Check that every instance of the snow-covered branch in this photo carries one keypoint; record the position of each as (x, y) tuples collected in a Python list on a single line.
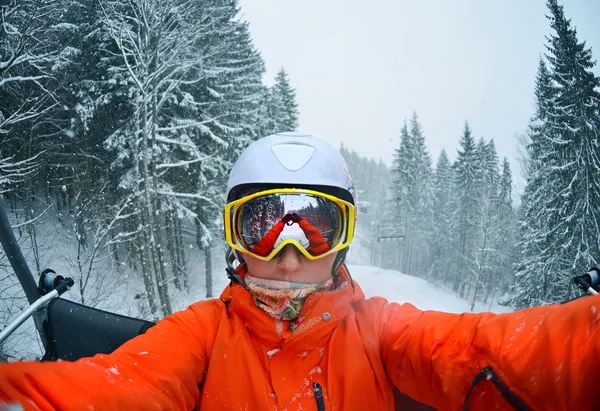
[(181, 163), (12, 172)]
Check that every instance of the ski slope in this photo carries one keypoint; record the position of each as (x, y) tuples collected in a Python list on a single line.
[(401, 288)]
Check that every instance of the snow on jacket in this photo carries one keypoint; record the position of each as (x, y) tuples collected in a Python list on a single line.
[(228, 354)]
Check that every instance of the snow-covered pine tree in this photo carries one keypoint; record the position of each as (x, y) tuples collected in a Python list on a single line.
[(283, 101), (93, 103), (441, 250), (421, 201), (30, 56), (372, 182), (535, 269), (399, 190), (484, 259), (412, 188), (574, 209), (465, 218), (29, 52), (506, 235), (567, 179)]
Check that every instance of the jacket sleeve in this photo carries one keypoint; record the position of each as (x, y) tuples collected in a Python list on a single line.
[(158, 370), (548, 357)]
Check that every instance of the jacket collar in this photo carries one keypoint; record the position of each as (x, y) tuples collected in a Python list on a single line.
[(321, 313)]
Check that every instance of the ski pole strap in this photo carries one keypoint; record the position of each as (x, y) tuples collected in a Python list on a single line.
[(489, 374)]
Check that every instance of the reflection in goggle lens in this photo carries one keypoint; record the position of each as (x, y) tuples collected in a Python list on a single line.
[(264, 222)]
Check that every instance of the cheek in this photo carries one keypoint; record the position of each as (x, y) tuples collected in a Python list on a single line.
[(259, 268), (321, 269), (327, 262)]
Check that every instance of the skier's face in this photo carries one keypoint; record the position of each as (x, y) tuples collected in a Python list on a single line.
[(291, 266)]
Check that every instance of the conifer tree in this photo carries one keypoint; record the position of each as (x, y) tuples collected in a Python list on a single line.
[(284, 99), (506, 232), (465, 217), (412, 188), (533, 273), (560, 225), (574, 137), (401, 178), (443, 184), (483, 262)]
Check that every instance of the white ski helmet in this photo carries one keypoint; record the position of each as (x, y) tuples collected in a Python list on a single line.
[(292, 160)]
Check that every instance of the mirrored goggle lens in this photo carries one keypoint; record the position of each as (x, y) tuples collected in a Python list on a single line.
[(262, 223)]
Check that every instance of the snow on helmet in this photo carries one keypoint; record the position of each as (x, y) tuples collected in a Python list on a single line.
[(292, 160)]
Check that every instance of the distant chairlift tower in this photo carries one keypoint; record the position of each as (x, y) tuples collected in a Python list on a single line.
[(389, 237)]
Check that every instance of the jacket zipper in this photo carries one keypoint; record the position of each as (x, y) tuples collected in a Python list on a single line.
[(489, 374), (319, 396)]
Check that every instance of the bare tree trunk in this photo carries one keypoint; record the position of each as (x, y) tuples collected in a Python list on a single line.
[(130, 245), (153, 238), (115, 249), (28, 205), (208, 271), (180, 250), (141, 204), (30, 228), (80, 269), (475, 293), (481, 266), (170, 234), (158, 243), (145, 263), (162, 271), (205, 246), (493, 293)]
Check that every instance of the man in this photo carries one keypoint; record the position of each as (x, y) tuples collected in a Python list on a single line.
[(294, 331)]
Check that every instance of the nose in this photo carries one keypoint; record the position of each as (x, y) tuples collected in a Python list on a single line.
[(290, 259)]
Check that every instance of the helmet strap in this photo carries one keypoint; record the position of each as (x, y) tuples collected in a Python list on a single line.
[(230, 257), (340, 258)]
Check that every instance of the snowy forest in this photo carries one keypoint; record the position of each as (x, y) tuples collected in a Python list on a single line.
[(456, 222), (120, 121)]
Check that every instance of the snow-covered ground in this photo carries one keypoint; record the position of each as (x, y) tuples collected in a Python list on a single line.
[(401, 288)]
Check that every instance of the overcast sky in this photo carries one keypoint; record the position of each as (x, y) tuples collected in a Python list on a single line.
[(361, 67)]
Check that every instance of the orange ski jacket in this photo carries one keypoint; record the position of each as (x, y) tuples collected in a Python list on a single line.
[(343, 353)]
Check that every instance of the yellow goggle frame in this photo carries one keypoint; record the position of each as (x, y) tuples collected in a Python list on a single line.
[(348, 218)]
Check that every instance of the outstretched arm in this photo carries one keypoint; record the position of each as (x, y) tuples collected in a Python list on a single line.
[(548, 357), (158, 370)]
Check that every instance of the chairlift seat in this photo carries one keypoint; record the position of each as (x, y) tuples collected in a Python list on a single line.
[(75, 331)]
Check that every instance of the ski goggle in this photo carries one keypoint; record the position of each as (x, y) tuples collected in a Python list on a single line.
[(261, 224)]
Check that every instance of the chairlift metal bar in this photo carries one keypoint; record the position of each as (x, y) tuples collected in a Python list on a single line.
[(42, 302), (17, 261)]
